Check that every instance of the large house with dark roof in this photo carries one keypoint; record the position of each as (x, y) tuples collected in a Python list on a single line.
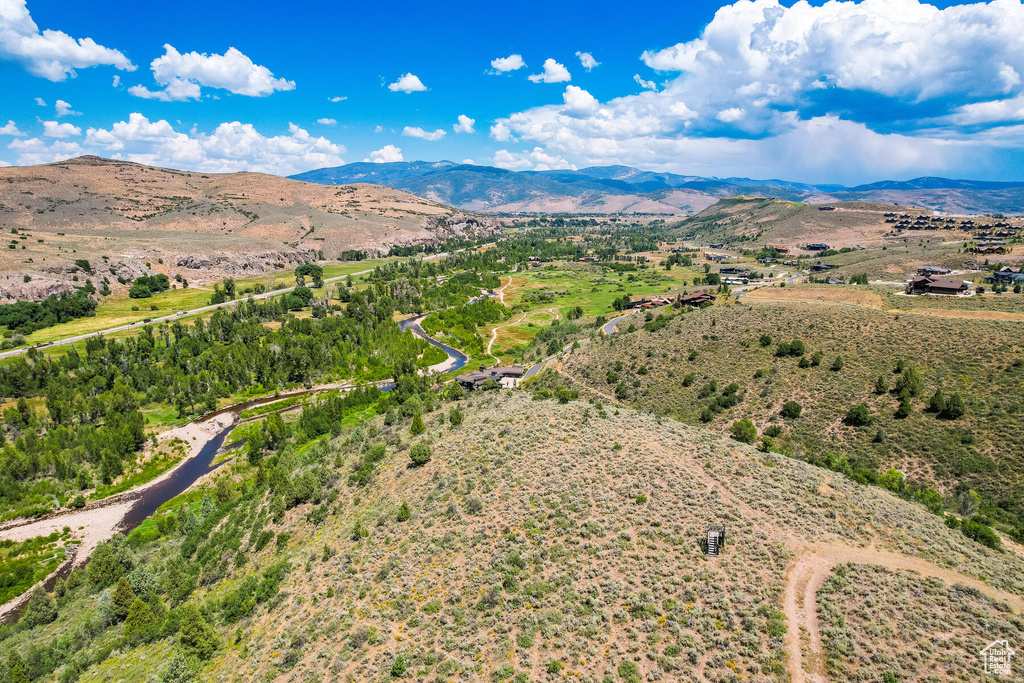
[(501, 375), (937, 285)]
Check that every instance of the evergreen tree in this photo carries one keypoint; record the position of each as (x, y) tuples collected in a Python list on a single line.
[(139, 625), (121, 601), (40, 609), (417, 427)]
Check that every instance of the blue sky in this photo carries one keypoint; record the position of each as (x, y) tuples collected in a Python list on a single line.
[(847, 92)]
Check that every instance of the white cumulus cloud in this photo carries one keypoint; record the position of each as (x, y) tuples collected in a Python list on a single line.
[(646, 85), (407, 83), (465, 124), (836, 92), (183, 76), (338, 98), (386, 154), (327, 122), (501, 132), (11, 129), (232, 146), (53, 129), (578, 101), (505, 64), (417, 132), (38, 151), (53, 55), (553, 73), (40, 101), (587, 60), (537, 159), (63, 108)]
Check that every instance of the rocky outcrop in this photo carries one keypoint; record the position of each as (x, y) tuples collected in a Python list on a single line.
[(237, 263), (14, 288)]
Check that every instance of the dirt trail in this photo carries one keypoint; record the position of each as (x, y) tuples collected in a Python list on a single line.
[(494, 335), (809, 571)]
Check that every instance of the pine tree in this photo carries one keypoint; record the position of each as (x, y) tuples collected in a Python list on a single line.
[(40, 609), (417, 427), (140, 621), (121, 601)]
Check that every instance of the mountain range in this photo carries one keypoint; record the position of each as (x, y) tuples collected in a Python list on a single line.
[(623, 189)]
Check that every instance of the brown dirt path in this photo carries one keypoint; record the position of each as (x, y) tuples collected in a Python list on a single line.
[(811, 568)]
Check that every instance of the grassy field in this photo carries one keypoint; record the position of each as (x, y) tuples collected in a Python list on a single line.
[(670, 372)]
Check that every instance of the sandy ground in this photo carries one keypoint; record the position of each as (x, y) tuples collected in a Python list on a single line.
[(101, 519)]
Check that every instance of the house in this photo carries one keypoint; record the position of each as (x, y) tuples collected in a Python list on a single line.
[(826, 208), (717, 245), (937, 285), (505, 376), (734, 270), (781, 250), (989, 249), (735, 281), (817, 246), (819, 267), (931, 270), (694, 300), (715, 257), (1006, 276)]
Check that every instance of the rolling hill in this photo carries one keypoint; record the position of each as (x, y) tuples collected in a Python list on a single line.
[(125, 215), (612, 189), (541, 542)]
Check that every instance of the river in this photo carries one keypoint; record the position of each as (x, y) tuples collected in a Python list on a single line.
[(143, 503)]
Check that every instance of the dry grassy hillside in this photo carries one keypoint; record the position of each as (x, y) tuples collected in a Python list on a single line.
[(753, 222), (225, 223), (552, 542), (669, 372)]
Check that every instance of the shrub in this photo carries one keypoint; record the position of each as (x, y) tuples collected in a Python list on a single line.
[(817, 358), (399, 666), (910, 383), (641, 499), (791, 410), (455, 416), (893, 480), (419, 453), (417, 427), (980, 533), (904, 410), (837, 364), (937, 404), (554, 666), (954, 408), (404, 513), (766, 340), (859, 415), (744, 431), (881, 385), (775, 431), (629, 672)]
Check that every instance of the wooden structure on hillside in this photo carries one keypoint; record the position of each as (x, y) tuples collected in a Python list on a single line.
[(715, 540)]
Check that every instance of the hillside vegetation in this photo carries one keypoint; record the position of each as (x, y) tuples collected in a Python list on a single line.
[(122, 219), (737, 361), (539, 541)]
